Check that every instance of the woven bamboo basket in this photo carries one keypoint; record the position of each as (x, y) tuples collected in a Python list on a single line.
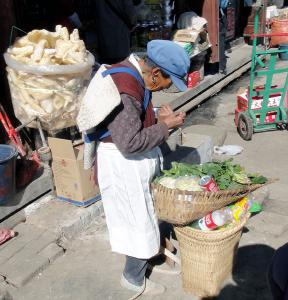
[(182, 207), (207, 258)]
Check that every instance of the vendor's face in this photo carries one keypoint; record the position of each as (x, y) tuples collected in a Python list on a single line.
[(154, 80)]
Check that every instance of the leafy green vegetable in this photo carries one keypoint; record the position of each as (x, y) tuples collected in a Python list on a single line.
[(257, 179), (241, 177), (226, 174)]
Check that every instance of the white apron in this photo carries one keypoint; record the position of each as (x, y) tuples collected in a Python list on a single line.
[(125, 189)]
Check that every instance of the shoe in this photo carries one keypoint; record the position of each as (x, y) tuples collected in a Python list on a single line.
[(223, 71), (164, 269), (153, 288), (147, 288), (130, 286)]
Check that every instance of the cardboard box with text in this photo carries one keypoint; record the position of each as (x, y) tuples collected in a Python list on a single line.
[(73, 183)]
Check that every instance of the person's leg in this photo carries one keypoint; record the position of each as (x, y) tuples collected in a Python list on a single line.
[(276, 292), (222, 38), (278, 273), (135, 269), (133, 277)]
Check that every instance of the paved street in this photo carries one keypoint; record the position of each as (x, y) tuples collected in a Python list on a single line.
[(88, 269)]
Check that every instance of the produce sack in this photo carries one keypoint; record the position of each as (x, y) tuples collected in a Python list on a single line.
[(48, 73), (279, 25)]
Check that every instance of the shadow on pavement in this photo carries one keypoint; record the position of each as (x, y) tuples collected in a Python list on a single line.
[(249, 274)]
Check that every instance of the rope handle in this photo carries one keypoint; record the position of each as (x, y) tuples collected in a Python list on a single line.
[(13, 29)]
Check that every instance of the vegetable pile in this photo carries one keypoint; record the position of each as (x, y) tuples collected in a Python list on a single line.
[(226, 174), (184, 183)]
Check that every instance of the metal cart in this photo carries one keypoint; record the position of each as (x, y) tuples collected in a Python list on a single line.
[(264, 107)]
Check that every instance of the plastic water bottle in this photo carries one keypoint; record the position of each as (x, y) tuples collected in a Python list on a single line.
[(214, 220), (226, 215), (240, 208)]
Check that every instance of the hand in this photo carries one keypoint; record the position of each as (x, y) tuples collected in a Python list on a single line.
[(134, 28), (174, 120), (163, 112)]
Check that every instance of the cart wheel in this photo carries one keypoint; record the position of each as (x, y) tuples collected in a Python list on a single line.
[(245, 126), (281, 126)]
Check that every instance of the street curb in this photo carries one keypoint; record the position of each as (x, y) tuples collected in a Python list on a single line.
[(62, 218), (73, 229), (49, 223)]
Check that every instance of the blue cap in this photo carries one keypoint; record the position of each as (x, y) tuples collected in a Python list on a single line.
[(172, 59)]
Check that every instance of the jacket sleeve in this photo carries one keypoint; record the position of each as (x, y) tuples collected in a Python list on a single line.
[(127, 131), (126, 10), (130, 12)]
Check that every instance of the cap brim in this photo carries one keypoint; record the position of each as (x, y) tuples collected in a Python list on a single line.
[(179, 83)]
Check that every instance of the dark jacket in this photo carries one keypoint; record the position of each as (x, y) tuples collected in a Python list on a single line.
[(114, 21)]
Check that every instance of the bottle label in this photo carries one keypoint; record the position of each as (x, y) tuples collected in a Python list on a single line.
[(207, 223), (240, 208), (209, 183)]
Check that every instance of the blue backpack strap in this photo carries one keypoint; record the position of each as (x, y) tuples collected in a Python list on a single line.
[(147, 98), (100, 134), (127, 70), (97, 135), (135, 74)]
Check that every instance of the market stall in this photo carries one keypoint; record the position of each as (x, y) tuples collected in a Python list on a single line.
[(176, 20), (159, 19)]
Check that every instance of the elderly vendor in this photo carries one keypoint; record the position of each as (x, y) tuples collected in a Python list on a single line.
[(128, 155)]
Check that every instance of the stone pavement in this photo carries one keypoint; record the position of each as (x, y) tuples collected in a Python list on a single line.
[(87, 269), (37, 244), (28, 254)]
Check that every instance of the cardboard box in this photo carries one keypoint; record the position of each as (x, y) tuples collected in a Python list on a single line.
[(73, 183), (242, 101), (186, 35)]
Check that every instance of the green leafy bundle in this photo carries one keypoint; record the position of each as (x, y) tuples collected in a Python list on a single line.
[(226, 174)]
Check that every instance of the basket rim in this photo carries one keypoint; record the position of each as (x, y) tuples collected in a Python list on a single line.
[(213, 234), (220, 192)]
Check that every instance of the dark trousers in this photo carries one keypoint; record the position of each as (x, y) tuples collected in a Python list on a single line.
[(135, 269), (222, 38), (278, 274)]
